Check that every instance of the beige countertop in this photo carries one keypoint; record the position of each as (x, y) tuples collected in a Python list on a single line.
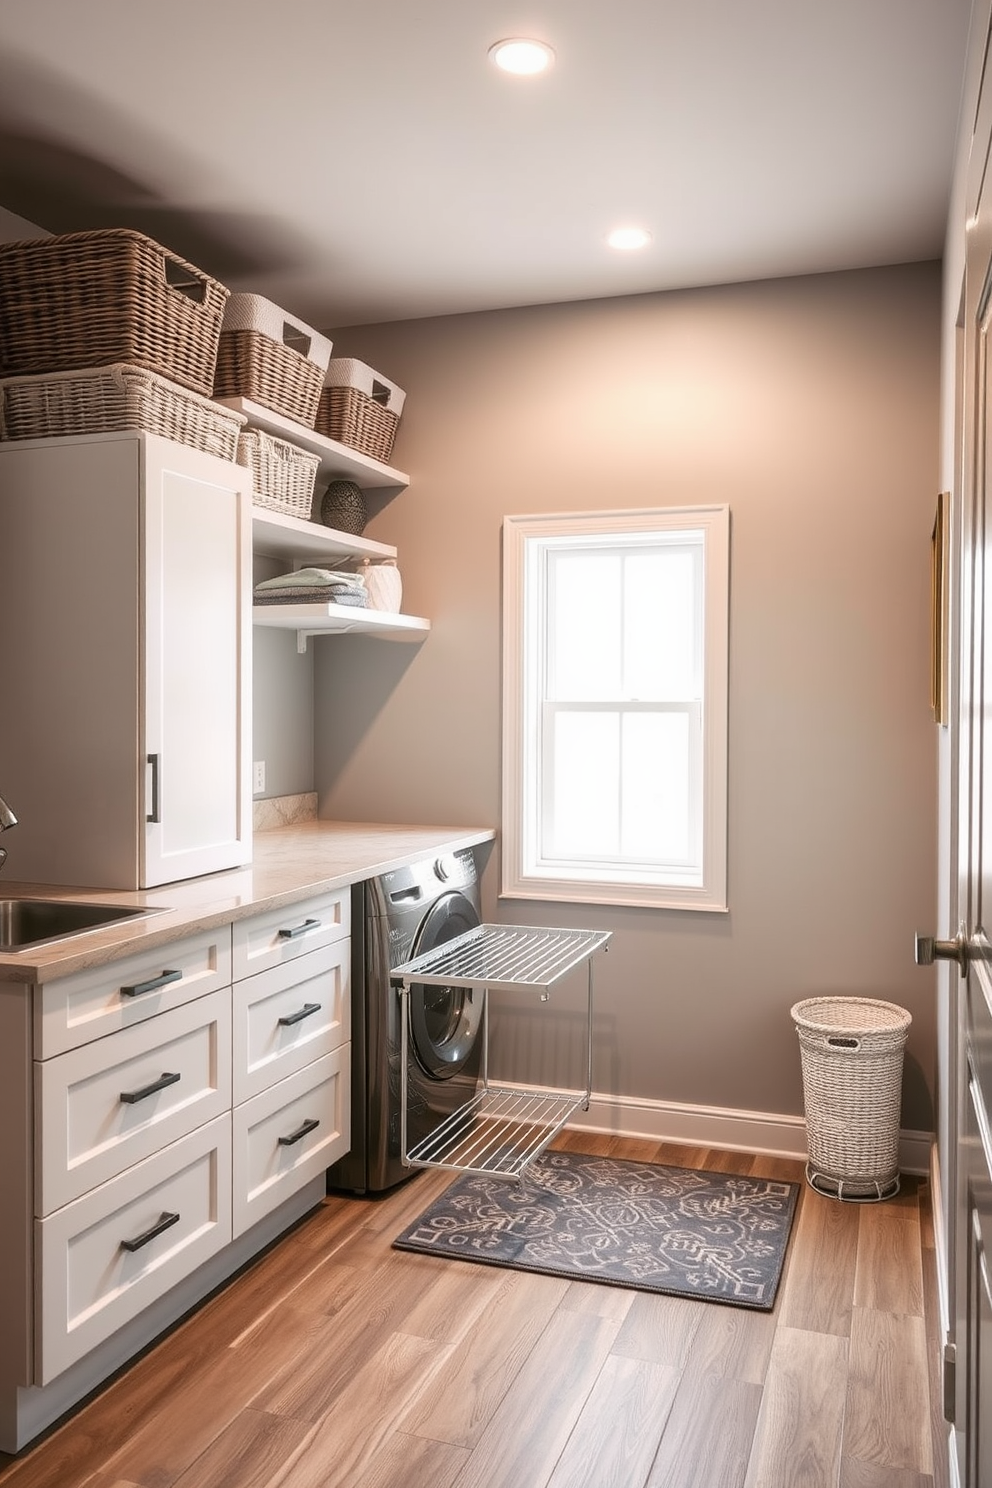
[(289, 863)]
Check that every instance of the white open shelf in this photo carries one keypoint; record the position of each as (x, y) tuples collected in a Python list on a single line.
[(332, 619), (337, 461), (279, 535)]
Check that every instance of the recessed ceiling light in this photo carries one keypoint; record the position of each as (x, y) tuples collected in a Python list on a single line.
[(516, 54), (627, 238)]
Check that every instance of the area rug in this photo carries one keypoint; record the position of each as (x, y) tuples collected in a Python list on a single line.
[(720, 1237)]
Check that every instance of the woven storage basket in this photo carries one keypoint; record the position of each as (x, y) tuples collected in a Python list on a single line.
[(93, 299), (359, 408), (283, 476), (852, 1055), (102, 400), (269, 357)]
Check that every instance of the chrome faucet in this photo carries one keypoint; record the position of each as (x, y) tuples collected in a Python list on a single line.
[(7, 819)]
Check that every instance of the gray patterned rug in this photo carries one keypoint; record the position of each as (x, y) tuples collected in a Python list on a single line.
[(690, 1233)]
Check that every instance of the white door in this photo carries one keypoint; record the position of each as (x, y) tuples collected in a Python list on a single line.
[(966, 1060), (196, 650)]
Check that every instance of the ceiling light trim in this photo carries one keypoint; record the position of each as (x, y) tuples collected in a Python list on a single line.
[(522, 56)]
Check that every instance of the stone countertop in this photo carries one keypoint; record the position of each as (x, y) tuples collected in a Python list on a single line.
[(289, 863)]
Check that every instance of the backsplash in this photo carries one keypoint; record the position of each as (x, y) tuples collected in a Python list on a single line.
[(283, 811)]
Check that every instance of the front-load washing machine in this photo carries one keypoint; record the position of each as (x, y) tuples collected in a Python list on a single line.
[(394, 918)]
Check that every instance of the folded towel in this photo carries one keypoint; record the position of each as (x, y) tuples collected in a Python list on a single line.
[(308, 578), (319, 594)]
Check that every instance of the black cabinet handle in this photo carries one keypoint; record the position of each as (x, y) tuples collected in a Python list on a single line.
[(165, 1223), (162, 980), (306, 1011), (293, 931), (299, 1134), (153, 815), (132, 1097)]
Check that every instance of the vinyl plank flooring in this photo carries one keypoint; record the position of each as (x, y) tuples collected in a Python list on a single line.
[(888, 1409), (247, 1453), (527, 1433), (797, 1440), (660, 1329), (866, 1475), (889, 1271), (732, 1342), (616, 1436), (818, 1285), (459, 1403), (414, 1462), (708, 1434)]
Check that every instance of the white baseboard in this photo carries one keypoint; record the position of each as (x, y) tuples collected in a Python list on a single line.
[(716, 1126)]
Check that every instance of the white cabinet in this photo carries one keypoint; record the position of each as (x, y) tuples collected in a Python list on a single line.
[(127, 587)]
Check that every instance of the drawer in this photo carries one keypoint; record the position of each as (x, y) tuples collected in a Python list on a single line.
[(109, 1255), (108, 1104), (290, 1134), (281, 935), (289, 1016), (88, 1004)]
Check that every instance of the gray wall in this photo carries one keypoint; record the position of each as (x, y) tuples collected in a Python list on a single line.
[(811, 406)]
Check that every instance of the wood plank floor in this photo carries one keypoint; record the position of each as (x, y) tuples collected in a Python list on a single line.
[(337, 1362)]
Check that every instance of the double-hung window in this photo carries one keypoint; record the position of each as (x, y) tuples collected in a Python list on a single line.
[(615, 658)]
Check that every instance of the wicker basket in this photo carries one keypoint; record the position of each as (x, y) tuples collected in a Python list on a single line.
[(359, 408), (266, 356), (93, 299), (852, 1054), (102, 400), (283, 476)]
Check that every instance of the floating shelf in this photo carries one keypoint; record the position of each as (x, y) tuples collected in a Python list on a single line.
[(279, 535), (332, 619), (337, 461)]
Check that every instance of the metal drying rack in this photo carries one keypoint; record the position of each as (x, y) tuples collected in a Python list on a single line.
[(499, 1131)]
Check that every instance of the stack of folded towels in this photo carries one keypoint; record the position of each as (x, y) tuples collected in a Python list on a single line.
[(313, 586)]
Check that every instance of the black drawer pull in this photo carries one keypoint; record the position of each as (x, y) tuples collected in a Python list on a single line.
[(295, 930), (300, 1133), (165, 1223), (132, 1097), (306, 1011), (162, 980)]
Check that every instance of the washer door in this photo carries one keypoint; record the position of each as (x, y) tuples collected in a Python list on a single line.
[(444, 1021)]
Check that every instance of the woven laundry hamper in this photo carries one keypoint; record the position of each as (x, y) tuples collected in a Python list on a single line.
[(852, 1055)]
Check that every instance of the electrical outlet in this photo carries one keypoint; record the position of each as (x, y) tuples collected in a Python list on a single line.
[(258, 777)]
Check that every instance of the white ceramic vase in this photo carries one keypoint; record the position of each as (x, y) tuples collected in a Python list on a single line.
[(383, 585)]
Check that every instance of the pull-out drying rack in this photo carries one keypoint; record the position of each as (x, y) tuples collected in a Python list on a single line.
[(499, 1130)]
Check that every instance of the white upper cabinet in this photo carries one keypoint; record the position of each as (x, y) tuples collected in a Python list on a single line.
[(126, 664)]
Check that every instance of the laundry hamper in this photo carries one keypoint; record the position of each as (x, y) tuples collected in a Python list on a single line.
[(852, 1054)]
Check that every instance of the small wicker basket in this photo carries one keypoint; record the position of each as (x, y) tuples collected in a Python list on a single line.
[(272, 359), (359, 408), (852, 1054), (101, 400), (94, 299), (283, 475)]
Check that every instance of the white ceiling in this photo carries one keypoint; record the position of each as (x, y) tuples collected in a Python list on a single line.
[(363, 161)]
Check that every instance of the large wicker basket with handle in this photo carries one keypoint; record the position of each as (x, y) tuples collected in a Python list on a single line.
[(93, 299), (852, 1054), (271, 358)]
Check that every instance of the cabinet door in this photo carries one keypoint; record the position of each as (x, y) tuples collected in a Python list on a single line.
[(196, 656)]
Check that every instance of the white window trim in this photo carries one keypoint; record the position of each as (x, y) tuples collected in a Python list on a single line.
[(519, 536)]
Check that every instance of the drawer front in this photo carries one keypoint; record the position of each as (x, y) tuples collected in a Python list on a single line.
[(104, 1258), (76, 1009), (281, 935), (289, 1016), (290, 1134), (108, 1104)]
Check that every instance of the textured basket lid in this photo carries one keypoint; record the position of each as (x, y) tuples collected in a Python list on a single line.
[(850, 1015), (252, 312), (347, 372)]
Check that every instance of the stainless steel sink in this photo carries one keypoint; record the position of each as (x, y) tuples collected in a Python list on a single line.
[(29, 922)]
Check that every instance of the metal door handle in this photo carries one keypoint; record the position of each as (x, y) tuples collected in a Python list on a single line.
[(929, 950)]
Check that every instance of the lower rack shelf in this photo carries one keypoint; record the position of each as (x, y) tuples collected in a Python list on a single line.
[(500, 1132)]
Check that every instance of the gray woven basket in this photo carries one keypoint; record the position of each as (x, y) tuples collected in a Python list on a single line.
[(852, 1055)]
